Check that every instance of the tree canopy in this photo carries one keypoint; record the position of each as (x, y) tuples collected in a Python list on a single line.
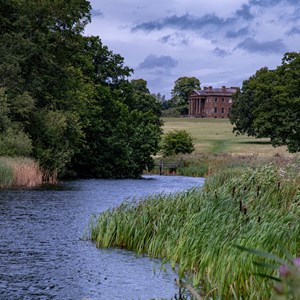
[(268, 104), (181, 91), (176, 142), (67, 98)]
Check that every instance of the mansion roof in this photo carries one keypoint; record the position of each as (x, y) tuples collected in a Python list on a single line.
[(210, 91)]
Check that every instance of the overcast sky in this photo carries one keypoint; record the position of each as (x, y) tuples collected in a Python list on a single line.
[(221, 42)]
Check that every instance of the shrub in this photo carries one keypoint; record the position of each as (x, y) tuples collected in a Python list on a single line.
[(177, 141), (15, 142)]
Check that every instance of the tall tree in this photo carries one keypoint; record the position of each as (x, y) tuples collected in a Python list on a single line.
[(69, 95), (181, 91), (268, 104)]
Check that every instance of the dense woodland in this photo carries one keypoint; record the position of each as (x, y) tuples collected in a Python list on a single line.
[(66, 99)]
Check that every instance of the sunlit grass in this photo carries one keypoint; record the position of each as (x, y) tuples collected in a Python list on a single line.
[(215, 136), (256, 206)]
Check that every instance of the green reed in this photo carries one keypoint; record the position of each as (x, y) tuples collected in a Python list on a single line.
[(6, 173), (197, 231)]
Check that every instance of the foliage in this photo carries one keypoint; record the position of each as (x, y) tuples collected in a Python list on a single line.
[(286, 285), (14, 142), (65, 98), (177, 141), (181, 91), (197, 231), (268, 104)]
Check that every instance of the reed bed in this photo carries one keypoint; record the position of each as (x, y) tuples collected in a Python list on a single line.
[(198, 231), (19, 172)]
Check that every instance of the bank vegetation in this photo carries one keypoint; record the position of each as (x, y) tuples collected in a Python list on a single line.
[(243, 203), (20, 172)]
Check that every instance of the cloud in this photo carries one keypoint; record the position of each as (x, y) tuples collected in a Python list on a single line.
[(185, 22), (266, 3), (96, 13), (251, 45), (235, 34), (245, 13), (220, 52), (294, 31), (174, 39), (158, 62)]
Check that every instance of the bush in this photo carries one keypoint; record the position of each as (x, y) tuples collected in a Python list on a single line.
[(15, 142), (177, 141)]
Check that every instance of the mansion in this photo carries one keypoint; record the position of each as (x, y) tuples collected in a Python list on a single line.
[(211, 102)]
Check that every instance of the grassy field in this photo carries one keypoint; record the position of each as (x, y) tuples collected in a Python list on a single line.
[(215, 136)]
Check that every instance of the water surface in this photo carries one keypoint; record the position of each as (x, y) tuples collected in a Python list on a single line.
[(43, 256)]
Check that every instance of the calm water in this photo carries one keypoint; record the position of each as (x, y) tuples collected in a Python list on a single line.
[(42, 255)]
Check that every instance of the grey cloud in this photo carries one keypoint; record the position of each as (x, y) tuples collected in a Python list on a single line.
[(165, 39), (185, 22), (153, 61), (251, 45), (264, 2), (174, 39), (267, 3), (245, 13), (220, 52), (235, 34), (96, 13), (294, 31)]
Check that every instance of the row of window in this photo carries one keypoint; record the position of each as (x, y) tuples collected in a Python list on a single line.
[(216, 100), (222, 111)]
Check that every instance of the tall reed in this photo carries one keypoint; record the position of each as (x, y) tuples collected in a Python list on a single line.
[(198, 230), (19, 172), (6, 173)]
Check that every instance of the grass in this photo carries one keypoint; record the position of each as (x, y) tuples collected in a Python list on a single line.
[(215, 136), (255, 206), (19, 172)]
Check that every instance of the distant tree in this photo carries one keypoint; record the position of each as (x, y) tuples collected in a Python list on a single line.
[(181, 91), (177, 141), (268, 105)]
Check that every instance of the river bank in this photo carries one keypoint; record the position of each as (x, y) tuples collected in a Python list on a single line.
[(250, 205)]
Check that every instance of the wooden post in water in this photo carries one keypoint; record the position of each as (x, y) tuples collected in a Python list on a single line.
[(161, 167)]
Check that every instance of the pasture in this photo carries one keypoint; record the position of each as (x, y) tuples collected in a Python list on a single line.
[(216, 136)]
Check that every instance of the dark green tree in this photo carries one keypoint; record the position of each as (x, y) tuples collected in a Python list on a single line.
[(68, 96), (181, 91), (268, 105)]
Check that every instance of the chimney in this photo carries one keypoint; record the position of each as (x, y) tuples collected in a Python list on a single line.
[(210, 88), (223, 87)]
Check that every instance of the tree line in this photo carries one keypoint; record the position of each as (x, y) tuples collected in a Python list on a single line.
[(66, 99)]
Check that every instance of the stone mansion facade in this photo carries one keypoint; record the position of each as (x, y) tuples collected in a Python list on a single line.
[(211, 102)]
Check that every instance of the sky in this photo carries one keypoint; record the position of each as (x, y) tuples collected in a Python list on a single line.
[(220, 42)]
